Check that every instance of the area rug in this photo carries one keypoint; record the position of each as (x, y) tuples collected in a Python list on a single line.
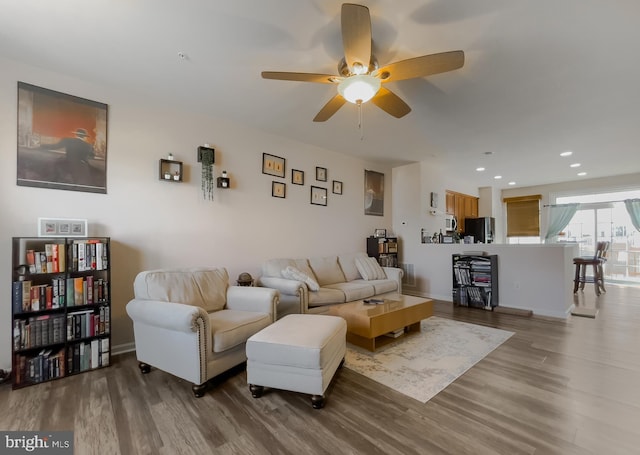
[(422, 364)]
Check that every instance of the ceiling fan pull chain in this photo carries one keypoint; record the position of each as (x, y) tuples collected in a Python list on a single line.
[(360, 123)]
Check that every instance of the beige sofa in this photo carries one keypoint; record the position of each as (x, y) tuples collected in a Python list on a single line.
[(327, 280)]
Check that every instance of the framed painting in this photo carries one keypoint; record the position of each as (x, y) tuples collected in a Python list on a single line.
[(278, 189), (62, 141), (297, 177), (273, 165), (318, 195), (380, 233), (337, 187), (321, 174), (62, 227), (373, 193)]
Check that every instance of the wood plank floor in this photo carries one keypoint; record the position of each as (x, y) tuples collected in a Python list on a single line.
[(553, 388)]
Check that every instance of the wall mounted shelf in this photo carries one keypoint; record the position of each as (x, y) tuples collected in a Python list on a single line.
[(170, 170)]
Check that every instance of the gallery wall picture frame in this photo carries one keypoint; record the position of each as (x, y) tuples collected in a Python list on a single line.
[(337, 187), (62, 227), (297, 177), (62, 141), (278, 189), (318, 195), (373, 193), (321, 174), (273, 165)]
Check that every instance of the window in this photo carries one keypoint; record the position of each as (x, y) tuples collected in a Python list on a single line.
[(523, 216), (603, 216)]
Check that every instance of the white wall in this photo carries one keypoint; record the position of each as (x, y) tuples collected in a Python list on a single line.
[(412, 188), (156, 224)]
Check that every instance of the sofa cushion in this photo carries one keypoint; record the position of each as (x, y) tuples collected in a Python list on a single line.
[(202, 287), (274, 267), (327, 270), (383, 286), (370, 269), (326, 296), (348, 264), (230, 328), (355, 290), (291, 273)]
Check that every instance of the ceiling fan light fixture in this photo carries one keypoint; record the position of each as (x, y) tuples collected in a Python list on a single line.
[(359, 88)]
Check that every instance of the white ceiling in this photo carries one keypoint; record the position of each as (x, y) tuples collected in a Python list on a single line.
[(540, 76)]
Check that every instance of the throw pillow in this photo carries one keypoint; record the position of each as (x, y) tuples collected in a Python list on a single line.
[(291, 273), (370, 269)]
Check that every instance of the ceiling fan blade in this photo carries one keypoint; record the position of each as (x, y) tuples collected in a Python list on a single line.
[(421, 66), (301, 77), (356, 35), (330, 108), (391, 103)]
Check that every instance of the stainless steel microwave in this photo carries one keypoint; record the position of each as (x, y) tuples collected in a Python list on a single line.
[(450, 223)]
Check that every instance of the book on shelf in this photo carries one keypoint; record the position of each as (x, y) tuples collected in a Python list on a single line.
[(31, 260), (78, 291), (26, 296), (81, 256), (16, 297), (394, 333)]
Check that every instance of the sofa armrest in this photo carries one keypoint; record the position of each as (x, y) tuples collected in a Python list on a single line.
[(246, 298), (284, 285), (395, 274), (167, 315)]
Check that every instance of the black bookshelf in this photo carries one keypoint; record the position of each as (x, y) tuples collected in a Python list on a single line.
[(475, 281), (60, 307), (384, 249)]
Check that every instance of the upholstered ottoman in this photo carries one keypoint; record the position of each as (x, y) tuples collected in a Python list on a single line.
[(300, 353)]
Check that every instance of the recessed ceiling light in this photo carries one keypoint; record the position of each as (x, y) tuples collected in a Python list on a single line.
[(479, 169), (567, 153), (512, 183), (497, 177), (575, 165), (581, 174)]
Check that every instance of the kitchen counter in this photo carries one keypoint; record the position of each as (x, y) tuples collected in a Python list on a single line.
[(538, 278)]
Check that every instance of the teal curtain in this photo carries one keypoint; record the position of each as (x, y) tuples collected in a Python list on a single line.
[(559, 216), (633, 207)]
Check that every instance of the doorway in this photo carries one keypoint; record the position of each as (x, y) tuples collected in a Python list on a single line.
[(603, 217)]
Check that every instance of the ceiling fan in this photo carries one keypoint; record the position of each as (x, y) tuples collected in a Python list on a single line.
[(360, 78)]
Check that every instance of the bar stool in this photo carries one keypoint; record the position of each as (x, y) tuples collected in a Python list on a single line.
[(597, 261)]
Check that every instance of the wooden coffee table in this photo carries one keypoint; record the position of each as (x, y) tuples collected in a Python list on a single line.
[(368, 324)]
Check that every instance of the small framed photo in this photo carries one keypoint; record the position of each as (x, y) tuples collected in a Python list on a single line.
[(380, 233), (278, 189), (337, 187), (62, 227), (297, 177), (318, 195), (273, 165), (321, 174)]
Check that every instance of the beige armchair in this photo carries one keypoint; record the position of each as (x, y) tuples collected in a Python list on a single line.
[(189, 322)]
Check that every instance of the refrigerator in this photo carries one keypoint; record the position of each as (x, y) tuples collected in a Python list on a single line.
[(482, 229)]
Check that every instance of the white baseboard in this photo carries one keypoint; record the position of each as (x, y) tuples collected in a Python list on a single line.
[(123, 348)]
